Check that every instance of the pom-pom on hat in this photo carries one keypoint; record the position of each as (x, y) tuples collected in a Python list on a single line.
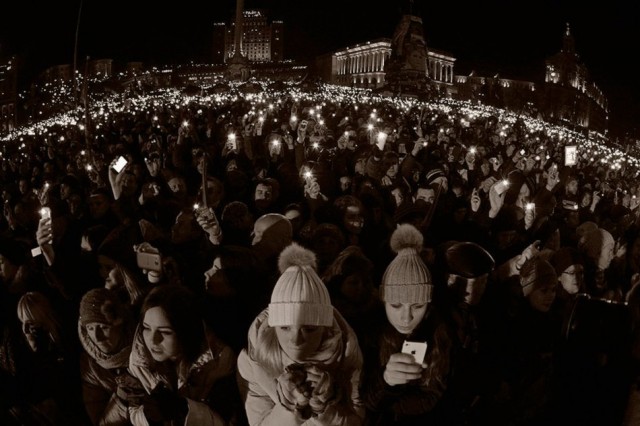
[(299, 296), (406, 279)]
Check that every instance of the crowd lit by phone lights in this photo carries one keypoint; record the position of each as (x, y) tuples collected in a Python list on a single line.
[(265, 103)]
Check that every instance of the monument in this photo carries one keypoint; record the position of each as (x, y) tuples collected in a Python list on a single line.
[(406, 68), (238, 67)]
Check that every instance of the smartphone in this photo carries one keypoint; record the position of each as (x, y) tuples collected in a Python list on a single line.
[(502, 186), (417, 349), (402, 148), (231, 140), (120, 163), (149, 261), (208, 213), (45, 213), (530, 206)]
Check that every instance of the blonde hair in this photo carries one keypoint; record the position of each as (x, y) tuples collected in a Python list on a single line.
[(34, 306)]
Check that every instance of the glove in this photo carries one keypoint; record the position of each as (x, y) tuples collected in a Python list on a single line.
[(322, 387), (164, 405), (129, 390), (294, 392)]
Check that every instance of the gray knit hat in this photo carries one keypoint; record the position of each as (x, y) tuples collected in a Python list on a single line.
[(406, 279), (537, 273), (299, 297)]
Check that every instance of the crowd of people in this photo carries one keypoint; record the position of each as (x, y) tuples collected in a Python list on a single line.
[(325, 258)]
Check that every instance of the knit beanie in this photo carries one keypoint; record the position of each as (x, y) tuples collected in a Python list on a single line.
[(103, 306), (406, 279), (434, 174), (536, 273), (299, 296)]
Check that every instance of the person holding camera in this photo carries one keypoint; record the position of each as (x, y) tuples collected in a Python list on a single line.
[(302, 364)]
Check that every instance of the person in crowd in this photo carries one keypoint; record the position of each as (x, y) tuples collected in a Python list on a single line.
[(236, 291), (597, 246), (272, 232), (44, 385), (105, 327), (467, 270), (353, 293), (531, 339), (187, 374), (303, 363), (399, 389)]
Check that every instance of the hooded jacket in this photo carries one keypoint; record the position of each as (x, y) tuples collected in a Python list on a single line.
[(98, 372), (339, 353), (195, 380)]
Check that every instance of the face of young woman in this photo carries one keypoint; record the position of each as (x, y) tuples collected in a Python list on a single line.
[(113, 279), (160, 336), (542, 298), (300, 342), (405, 317), (35, 334), (106, 337)]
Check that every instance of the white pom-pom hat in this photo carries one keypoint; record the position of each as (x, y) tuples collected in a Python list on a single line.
[(299, 297), (407, 279)]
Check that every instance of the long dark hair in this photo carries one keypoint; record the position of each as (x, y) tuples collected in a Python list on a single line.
[(182, 311)]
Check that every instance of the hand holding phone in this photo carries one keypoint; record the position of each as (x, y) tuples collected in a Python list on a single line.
[(119, 164), (149, 261), (501, 186)]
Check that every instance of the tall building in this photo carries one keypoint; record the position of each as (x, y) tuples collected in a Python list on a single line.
[(571, 94), (262, 40), (8, 93)]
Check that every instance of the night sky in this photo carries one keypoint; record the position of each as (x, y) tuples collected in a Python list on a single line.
[(490, 36)]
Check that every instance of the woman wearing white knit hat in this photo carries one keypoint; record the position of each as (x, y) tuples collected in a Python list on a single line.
[(404, 374), (303, 362)]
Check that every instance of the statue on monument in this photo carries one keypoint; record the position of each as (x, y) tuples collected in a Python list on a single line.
[(406, 69)]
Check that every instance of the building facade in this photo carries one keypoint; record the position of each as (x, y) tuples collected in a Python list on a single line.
[(262, 40), (8, 93), (566, 95), (570, 94), (363, 65)]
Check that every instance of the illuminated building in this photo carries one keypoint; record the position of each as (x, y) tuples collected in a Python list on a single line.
[(262, 41), (570, 93), (8, 93), (566, 96), (363, 65)]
